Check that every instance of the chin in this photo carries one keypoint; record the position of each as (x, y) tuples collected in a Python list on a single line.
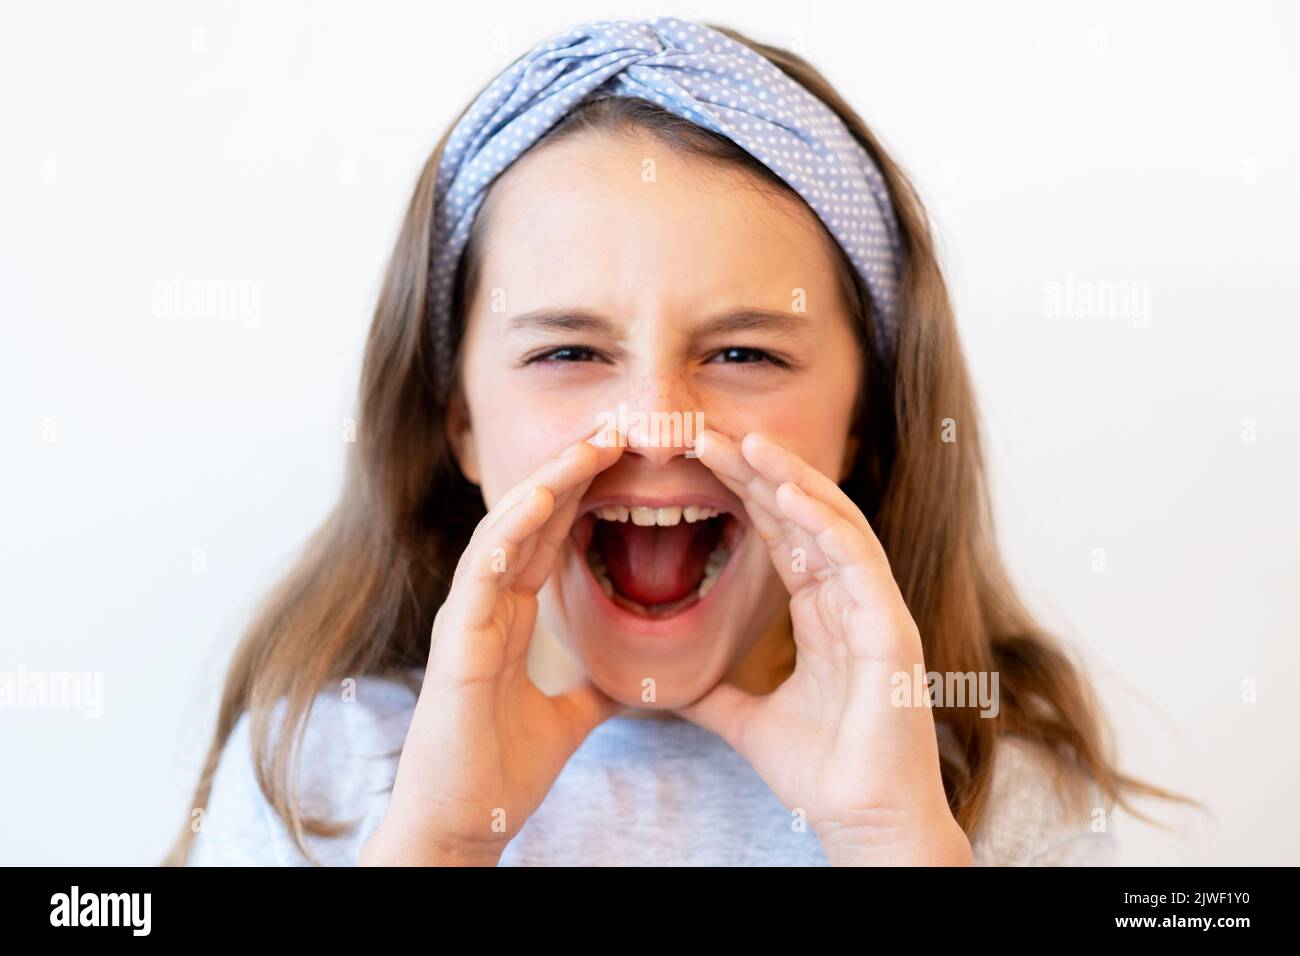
[(672, 591)]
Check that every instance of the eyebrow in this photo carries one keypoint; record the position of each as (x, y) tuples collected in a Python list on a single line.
[(743, 319)]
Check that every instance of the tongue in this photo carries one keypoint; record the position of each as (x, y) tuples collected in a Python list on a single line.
[(655, 565)]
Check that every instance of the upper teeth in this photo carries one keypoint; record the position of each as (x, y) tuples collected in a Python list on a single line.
[(646, 517)]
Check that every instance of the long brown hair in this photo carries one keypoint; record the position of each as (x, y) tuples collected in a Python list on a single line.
[(362, 597)]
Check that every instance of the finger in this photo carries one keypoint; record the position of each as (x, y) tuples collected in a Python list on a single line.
[(725, 711), (543, 549), (722, 456), (556, 527), (841, 542), (476, 588), (779, 465), (536, 566), (585, 707), (575, 464), (794, 554), (867, 581), (558, 475), (504, 545)]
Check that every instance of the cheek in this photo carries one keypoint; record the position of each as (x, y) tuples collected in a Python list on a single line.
[(516, 432), (811, 419)]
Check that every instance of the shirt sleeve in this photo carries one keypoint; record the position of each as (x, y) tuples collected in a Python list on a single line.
[(238, 827), (350, 750), (1027, 824)]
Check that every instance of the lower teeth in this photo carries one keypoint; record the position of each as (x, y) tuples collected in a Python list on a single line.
[(712, 571), (602, 575)]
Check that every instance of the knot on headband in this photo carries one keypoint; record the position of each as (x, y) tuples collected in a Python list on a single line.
[(696, 73)]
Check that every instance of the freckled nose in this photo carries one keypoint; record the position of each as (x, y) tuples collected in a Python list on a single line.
[(662, 412)]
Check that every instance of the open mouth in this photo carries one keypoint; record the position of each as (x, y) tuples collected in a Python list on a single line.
[(656, 561)]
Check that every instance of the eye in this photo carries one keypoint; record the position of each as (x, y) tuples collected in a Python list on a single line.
[(564, 354), (739, 355)]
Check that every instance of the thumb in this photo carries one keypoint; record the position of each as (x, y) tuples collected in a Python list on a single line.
[(584, 706), (725, 711)]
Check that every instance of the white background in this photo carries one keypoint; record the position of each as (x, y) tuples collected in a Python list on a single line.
[(161, 469)]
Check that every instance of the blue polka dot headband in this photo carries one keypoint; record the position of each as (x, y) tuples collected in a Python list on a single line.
[(696, 73)]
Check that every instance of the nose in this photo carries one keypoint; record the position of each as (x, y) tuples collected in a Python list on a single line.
[(663, 417)]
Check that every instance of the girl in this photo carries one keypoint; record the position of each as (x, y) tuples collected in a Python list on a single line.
[(522, 638)]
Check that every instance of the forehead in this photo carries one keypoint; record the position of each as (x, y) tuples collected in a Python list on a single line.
[(619, 221)]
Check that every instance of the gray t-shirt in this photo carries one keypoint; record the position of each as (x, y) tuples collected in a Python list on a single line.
[(638, 792)]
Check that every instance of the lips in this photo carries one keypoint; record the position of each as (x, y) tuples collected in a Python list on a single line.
[(656, 559)]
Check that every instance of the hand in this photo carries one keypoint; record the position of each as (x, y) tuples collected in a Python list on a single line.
[(829, 740), (485, 744)]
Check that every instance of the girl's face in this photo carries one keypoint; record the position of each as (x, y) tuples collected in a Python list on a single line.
[(618, 280)]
